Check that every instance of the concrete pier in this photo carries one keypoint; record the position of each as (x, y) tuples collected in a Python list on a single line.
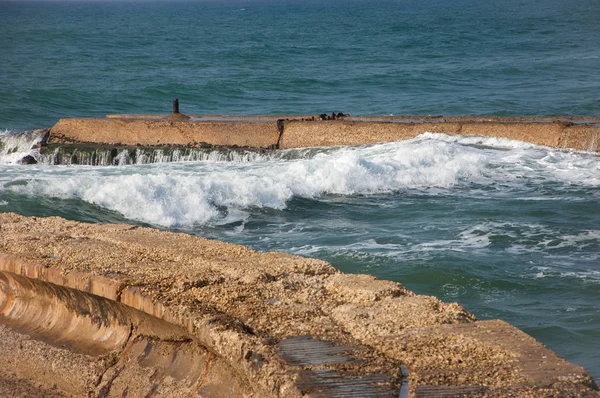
[(284, 132), (149, 132), (118, 310)]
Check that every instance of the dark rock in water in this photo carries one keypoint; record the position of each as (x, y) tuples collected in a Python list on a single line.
[(44, 134), (28, 160)]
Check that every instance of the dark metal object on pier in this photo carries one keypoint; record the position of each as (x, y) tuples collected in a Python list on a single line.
[(176, 116)]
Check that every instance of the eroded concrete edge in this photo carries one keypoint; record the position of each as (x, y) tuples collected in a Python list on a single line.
[(297, 132), (370, 315), (558, 134), (238, 350)]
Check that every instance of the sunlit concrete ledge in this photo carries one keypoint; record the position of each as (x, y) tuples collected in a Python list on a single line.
[(166, 314)]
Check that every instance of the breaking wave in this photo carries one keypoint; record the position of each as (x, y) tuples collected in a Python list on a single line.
[(182, 194), (15, 146)]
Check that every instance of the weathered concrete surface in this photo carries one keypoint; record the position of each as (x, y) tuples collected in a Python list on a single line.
[(562, 134), (134, 132), (299, 134), (275, 325), (284, 132), (142, 367)]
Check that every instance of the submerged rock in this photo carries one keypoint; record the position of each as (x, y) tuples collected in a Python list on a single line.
[(28, 160)]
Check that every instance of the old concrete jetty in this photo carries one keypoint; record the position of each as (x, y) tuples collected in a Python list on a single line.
[(127, 139), (119, 310), (285, 132)]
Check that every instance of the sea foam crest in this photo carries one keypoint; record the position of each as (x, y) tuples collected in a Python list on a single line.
[(14, 146), (184, 194), (478, 140), (203, 192)]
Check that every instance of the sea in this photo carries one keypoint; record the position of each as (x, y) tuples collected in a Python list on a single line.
[(508, 229)]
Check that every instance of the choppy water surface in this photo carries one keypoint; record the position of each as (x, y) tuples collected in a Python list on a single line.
[(90, 58), (508, 229)]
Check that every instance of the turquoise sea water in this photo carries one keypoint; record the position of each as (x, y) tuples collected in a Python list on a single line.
[(85, 58), (509, 230)]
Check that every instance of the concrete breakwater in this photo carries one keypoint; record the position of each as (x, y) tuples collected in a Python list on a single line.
[(141, 139), (118, 310), (285, 132)]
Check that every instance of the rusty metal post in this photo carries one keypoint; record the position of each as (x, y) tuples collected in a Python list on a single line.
[(176, 115)]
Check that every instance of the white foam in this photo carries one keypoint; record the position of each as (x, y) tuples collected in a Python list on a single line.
[(492, 142), (213, 190), (521, 238), (14, 146), (571, 167), (584, 240), (588, 275), (523, 160), (193, 194), (453, 290)]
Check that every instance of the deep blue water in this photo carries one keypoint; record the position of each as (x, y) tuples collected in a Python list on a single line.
[(515, 57), (507, 229)]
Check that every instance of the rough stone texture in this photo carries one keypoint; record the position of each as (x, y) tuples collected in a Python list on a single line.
[(579, 133), (299, 134), (133, 132), (144, 367), (14, 387), (543, 133), (53, 369), (240, 306), (584, 137), (553, 133)]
